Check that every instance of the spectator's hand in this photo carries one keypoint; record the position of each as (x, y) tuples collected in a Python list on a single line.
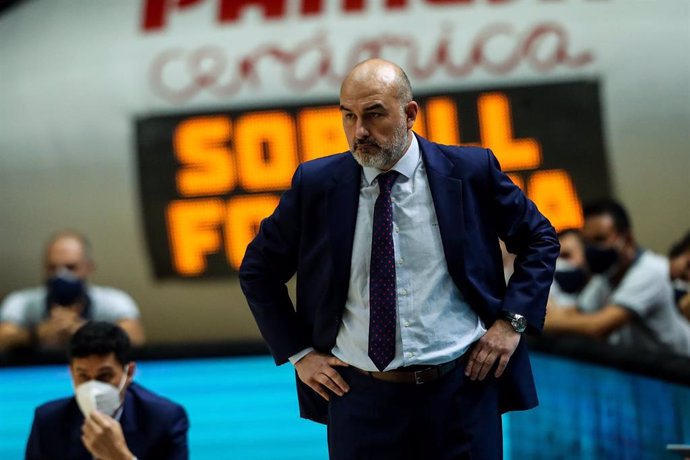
[(68, 318), (684, 305), (102, 436), (316, 370), (499, 343), (60, 325)]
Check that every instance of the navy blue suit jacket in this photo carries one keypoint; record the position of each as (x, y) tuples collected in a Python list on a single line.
[(312, 230), (154, 428)]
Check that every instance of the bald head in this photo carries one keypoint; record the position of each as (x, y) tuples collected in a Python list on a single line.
[(68, 250), (378, 113), (381, 74)]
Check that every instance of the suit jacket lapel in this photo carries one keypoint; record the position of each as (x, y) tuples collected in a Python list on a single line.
[(446, 192), (72, 428), (342, 204), (128, 421)]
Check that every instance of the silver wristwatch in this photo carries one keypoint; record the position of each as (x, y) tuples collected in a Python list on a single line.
[(517, 321)]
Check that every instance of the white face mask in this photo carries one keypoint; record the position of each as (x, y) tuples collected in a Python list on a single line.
[(101, 396)]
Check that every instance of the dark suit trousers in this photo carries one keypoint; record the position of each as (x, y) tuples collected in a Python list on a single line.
[(450, 418)]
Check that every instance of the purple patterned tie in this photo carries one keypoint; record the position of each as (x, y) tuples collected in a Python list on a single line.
[(382, 277)]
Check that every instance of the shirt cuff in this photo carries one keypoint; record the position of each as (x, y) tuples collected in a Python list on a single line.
[(297, 356)]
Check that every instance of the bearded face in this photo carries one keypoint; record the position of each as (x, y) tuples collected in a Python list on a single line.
[(376, 121), (381, 153)]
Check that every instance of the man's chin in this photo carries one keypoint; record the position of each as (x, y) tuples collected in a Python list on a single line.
[(370, 161)]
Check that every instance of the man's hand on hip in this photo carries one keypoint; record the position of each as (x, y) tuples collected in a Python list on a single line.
[(317, 370), (499, 343)]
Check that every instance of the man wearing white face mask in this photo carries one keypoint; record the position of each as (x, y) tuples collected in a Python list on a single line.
[(110, 417)]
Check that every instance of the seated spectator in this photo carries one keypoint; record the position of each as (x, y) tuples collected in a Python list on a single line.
[(629, 299), (48, 315), (571, 273), (110, 417), (679, 263)]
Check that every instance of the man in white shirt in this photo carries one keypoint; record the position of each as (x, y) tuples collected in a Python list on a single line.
[(50, 314), (679, 266), (629, 300)]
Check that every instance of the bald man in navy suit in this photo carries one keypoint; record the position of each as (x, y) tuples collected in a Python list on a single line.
[(405, 338)]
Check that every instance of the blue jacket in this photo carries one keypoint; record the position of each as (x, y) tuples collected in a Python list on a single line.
[(311, 234), (154, 428)]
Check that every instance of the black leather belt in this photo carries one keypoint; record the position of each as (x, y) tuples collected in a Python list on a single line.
[(425, 374)]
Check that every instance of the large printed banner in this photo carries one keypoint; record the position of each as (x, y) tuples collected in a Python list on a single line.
[(207, 179), (211, 51)]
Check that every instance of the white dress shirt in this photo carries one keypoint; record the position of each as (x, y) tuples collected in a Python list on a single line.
[(434, 323)]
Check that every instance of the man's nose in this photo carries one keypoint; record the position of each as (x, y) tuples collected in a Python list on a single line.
[(361, 130)]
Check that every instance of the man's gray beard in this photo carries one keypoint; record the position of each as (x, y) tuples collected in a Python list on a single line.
[(387, 155)]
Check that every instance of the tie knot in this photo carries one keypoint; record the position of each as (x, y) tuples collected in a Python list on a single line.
[(386, 181)]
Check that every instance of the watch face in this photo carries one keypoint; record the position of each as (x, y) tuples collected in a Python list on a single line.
[(519, 323)]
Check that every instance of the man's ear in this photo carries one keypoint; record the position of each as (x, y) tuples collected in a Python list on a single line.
[(629, 238), (71, 372), (90, 267), (411, 111), (132, 366)]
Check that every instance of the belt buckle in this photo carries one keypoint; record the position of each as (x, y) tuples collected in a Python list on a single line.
[(419, 375)]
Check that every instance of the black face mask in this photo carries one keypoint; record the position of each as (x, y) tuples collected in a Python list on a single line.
[(65, 289), (600, 259), (571, 280)]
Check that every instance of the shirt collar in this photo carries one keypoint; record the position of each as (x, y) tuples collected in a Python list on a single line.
[(118, 413), (405, 165)]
